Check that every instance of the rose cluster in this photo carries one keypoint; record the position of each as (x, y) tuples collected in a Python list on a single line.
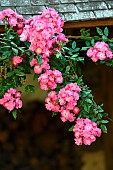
[(52, 102), (40, 31), (44, 34), (39, 68), (100, 51), (64, 102), (11, 100), (85, 131), (13, 18), (49, 79)]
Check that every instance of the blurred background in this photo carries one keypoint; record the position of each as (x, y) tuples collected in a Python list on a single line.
[(36, 141)]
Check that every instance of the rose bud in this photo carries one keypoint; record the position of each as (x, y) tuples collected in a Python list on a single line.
[(19, 31), (76, 110), (20, 25)]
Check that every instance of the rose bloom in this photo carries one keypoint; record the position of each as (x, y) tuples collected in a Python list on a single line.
[(23, 36), (16, 60), (12, 21), (37, 69)]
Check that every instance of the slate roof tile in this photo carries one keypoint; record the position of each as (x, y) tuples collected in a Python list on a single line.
[(109, 4), (82, 15), (3, 8), (27, 16), (22, 2), (52, 2), (15, 2), (65, 8), (30, 10), (67, 1), (91, 6), (8, 3), (103, 13), (38, 2), (70, 10)]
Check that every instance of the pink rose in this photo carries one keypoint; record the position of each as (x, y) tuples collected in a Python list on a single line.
[(16, 60)]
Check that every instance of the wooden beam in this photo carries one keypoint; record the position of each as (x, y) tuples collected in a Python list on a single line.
[(89, 23), (1, 28)]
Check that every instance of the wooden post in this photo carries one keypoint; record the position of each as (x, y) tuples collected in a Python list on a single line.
[(108, 105)]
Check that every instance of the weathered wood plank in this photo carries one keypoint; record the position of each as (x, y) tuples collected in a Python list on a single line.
[(89, 23)]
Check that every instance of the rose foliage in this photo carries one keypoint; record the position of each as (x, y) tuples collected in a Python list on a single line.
[(38, 45)]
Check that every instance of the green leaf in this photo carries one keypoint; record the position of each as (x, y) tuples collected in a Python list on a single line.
[(30, 88), (15, 51), (20, 73), (14, 113), (65, 48), (13, 44), (5, 48), (104, 128), (35, 76), (104, 121), (4, 55), (71, 128), (85, 32), (81, 59), (104, 38), (86, 107), (105, 114), (27, 44), (80, 81), (58, 55), (20, 67), (22, 49), (10, 36), (10, 73), (31, 57), (100, 116), (39, 60), (99, 31), (67, 68), (110, 119), (106, 31), (28, 53), (73, 45), (87, 43), (94, 119), (70, 52), (6, 28), (111, 45), (85, 48), (100, 108), (54, 114), (75, 55), (93, 42), (111, 40), (89, 100), (76, 49)]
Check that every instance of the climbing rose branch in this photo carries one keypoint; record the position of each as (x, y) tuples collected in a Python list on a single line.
[(39, 47)]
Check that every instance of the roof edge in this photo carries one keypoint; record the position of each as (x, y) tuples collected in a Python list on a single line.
[(89, 23)]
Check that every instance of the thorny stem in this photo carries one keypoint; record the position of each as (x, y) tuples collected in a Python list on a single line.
[(81, 36)]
